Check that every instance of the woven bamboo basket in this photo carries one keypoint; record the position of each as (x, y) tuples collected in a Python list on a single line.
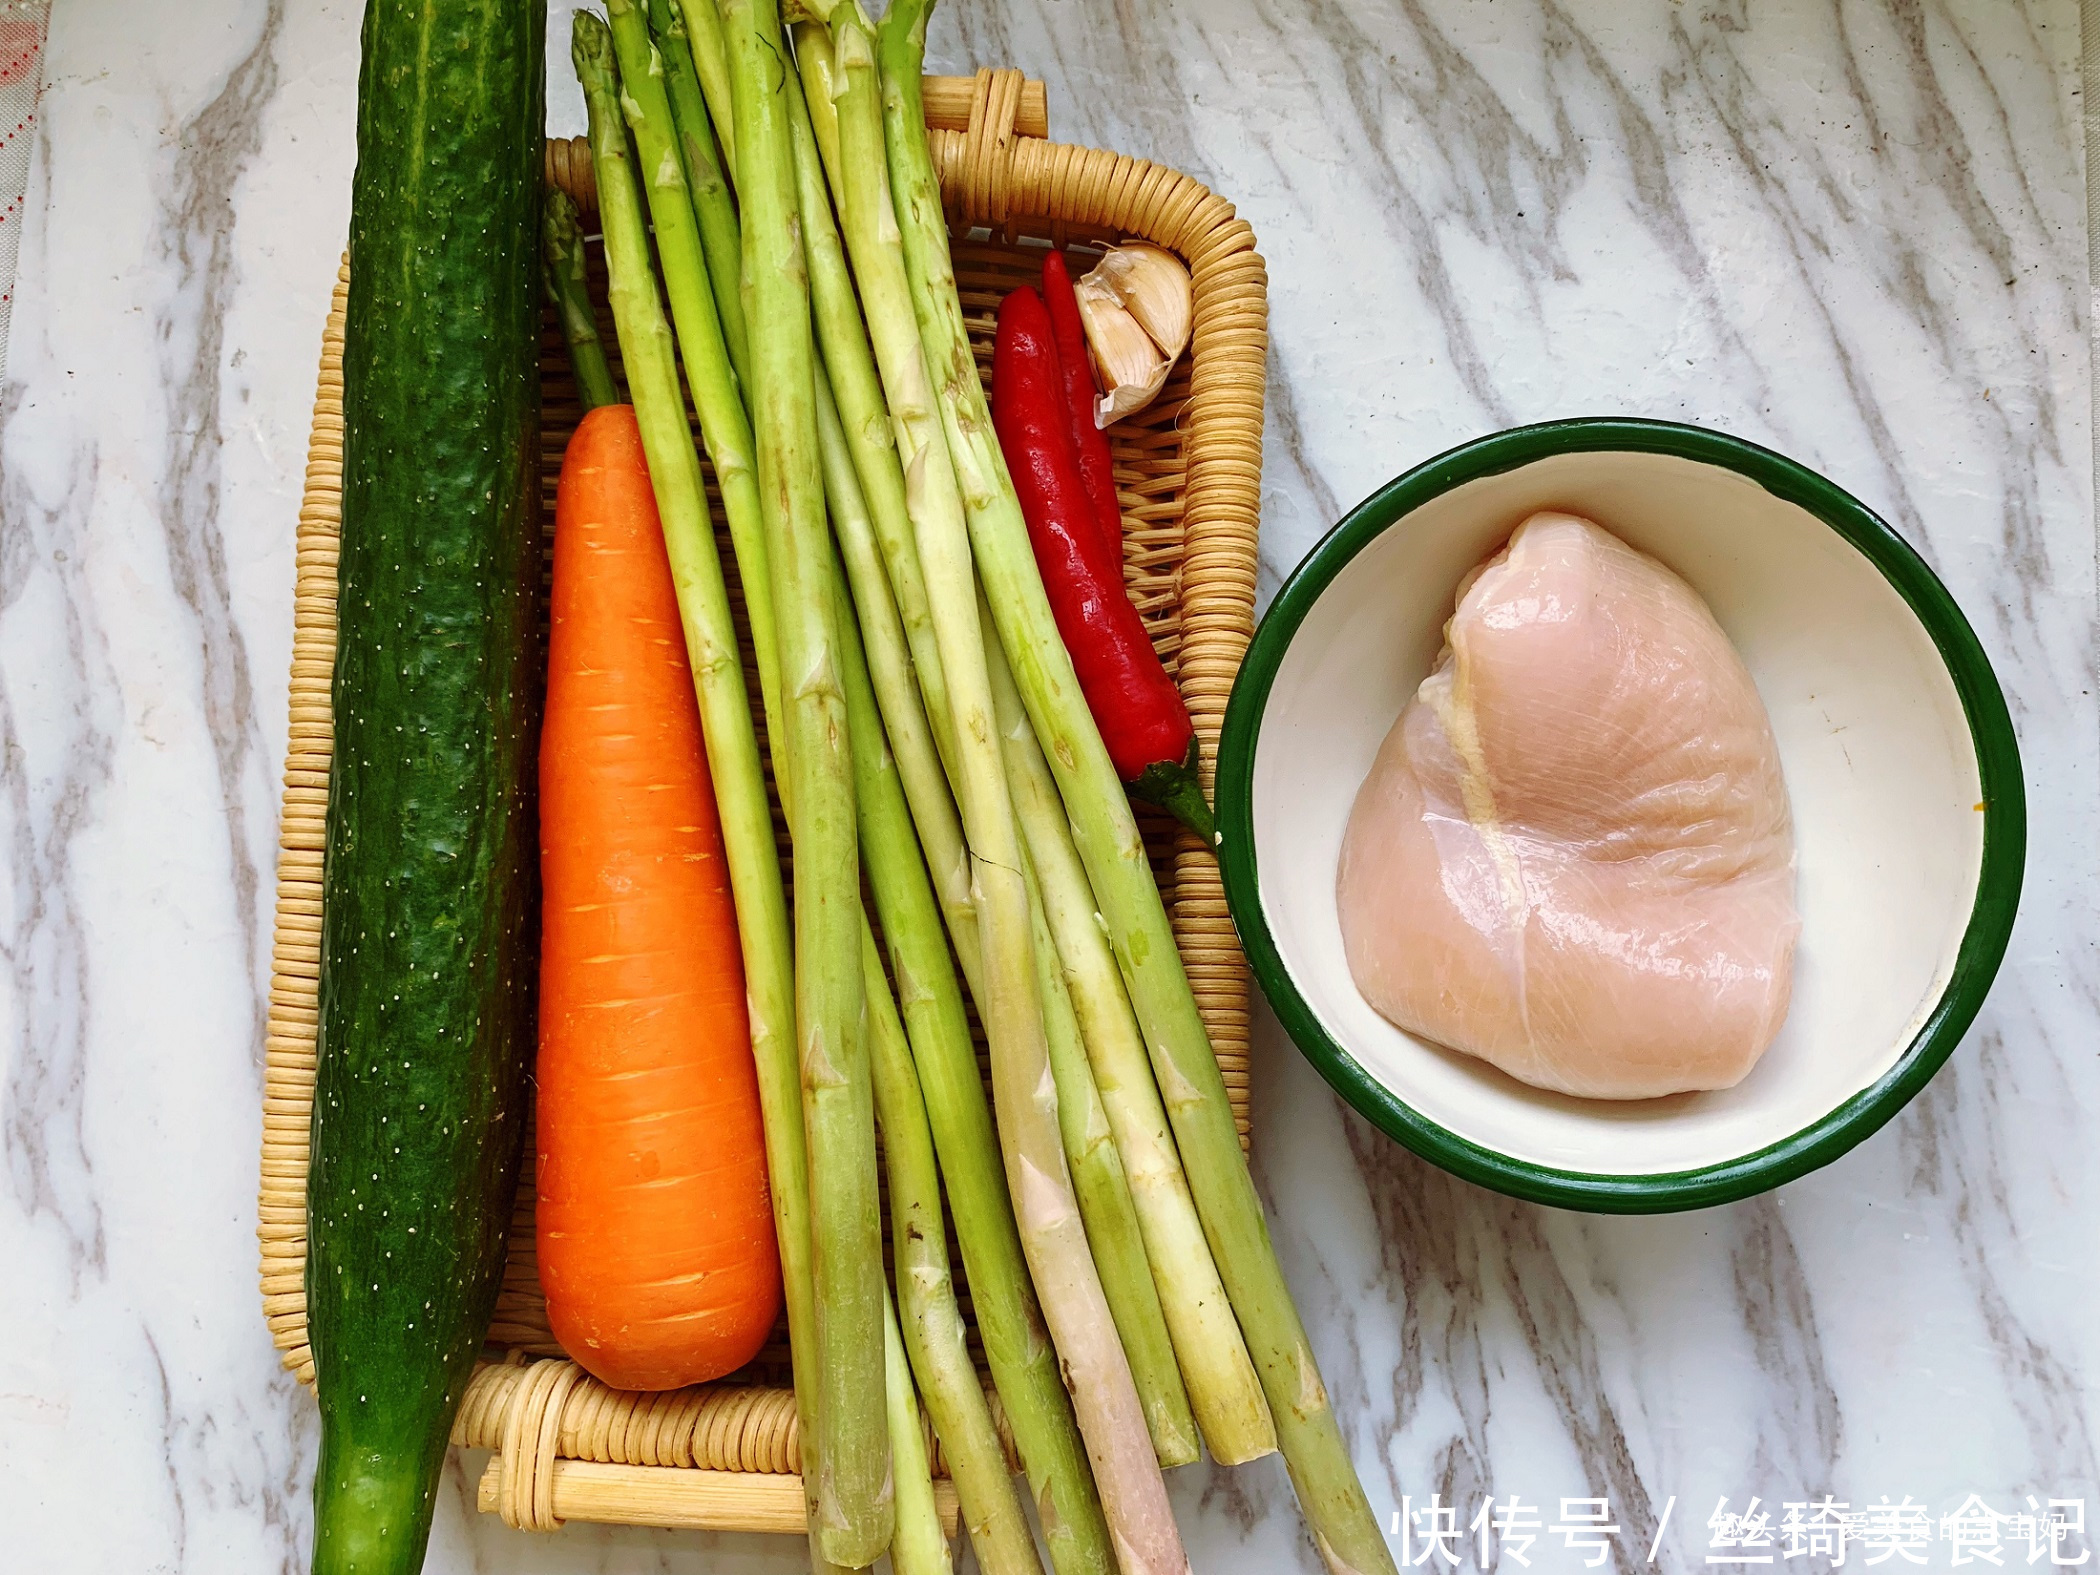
[(725, 1456)]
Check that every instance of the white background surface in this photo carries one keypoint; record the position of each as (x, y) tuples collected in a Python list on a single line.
[(1851, 230)]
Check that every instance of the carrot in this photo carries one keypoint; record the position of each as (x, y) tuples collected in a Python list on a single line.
[(656, 1245)]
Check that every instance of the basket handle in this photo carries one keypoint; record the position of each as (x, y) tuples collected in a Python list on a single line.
[(976, 168), (990, 110)]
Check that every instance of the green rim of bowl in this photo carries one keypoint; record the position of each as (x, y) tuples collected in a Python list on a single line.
[(1990, 729)]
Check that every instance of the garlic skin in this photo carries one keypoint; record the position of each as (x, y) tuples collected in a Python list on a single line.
[(1154, 288), (1137, 305), (1127, 362)]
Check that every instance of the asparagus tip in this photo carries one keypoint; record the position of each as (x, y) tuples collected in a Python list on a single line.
[(590, 41)]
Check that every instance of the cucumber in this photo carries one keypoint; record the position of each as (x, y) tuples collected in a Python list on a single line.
[(428, 929)]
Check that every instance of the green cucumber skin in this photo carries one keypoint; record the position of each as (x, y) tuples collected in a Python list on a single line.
[(428, 930)]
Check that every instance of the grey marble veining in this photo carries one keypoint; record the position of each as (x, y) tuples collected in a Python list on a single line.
[(1852, 231)]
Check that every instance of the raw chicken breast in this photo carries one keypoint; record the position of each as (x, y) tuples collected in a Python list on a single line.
[(1573, 857)]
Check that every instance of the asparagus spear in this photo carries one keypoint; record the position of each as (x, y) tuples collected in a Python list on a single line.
[(854, 1490), (875, 535), (869, 515), (1004, 1299), (1133, 1495), (714, 206), (919, 1545), (703, 27), (568, 287), (718, 395), (938, 1037), (1105, 1206), (1105, 1194), (1106, 1200), (933, 1327), (1223, 1386), (1022, 1361), (857, 384), (710, 640), (1106, 835), (820, 83)]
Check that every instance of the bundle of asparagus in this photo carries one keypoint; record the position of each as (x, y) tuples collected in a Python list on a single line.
[(927, 733)]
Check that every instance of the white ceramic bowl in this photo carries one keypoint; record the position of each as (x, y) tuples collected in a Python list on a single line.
[(1900, 763)]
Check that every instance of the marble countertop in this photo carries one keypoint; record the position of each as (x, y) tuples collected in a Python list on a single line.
[(1854, 231)]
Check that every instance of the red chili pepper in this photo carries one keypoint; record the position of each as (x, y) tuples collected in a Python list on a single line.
[(1135, 704), (1096, 468)]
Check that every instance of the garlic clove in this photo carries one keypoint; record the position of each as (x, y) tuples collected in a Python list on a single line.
[(1130, 367), (1155, 288)]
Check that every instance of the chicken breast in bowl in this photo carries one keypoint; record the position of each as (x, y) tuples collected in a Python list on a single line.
[(1573, 856)]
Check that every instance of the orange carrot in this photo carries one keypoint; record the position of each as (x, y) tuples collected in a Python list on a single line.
[(656, 1245)]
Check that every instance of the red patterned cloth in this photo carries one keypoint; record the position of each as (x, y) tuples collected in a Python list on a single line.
[(22, 27)]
